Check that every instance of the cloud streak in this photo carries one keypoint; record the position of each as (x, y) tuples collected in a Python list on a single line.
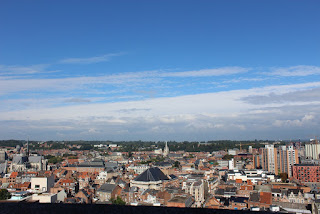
[(295, 71), (119, 106), (90, 60), (207, 72), (24, 70)]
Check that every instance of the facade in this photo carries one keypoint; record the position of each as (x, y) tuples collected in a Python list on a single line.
[(272, 159), (139, 169), (312, 151), (306, 172), (42, 184), (3, 155), (287, 157), (108, 191), (45, 197), (197, 190), (22, 163)]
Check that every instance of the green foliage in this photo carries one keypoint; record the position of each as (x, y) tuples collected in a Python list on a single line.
[(72, 157), (86, 147), (155, 160), (55, 160), (57, 145), (4, 194), (227, 157), (176, 164), (214, 163), (284, 177), (48, 156), (118, 201), (11, 143)]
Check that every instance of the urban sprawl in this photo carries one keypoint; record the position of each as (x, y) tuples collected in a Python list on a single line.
[(261, 176)]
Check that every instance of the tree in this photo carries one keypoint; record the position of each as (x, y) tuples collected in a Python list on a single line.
[(176, 164), (284, 177), (4, 194), (227, 157), (55, 160), (118, 201)]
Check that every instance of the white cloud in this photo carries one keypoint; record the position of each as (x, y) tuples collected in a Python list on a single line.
[(226, 103), (199, 116), (90, 60), (24, 70), (129, 79), (207, 72), (300, 70), (306, 119)]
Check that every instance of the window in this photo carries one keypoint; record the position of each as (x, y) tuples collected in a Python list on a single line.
[(37, 186)]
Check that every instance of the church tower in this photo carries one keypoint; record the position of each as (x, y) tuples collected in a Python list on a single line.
[(166, 150)]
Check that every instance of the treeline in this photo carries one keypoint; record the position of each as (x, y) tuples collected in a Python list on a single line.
[(187, 146), (11, 143), (130, 146)]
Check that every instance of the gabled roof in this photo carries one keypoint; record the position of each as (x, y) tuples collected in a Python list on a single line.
[(107, 188), (18, 159), (14, 175), (35, 159), (152, 174)]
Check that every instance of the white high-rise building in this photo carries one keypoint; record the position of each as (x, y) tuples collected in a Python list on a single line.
[(292, 156), (312, 151), (272, 159), (287, 157), (231, 164), (250, 149)]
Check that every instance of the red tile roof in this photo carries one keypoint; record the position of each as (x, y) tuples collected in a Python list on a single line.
[(14, 175)]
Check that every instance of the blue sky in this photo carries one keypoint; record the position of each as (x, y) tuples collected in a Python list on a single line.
[(159, 70)]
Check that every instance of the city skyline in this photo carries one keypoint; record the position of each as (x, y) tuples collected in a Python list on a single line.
[(168, 70)]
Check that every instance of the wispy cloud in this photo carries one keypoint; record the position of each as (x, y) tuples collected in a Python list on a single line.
[(236, 80), (77, 100), (309, 95), (207, 72), (24, 70), (300, 70), (180, 118), (136, 81), (90, 60)]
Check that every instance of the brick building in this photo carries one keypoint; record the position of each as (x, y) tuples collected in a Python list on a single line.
[(306, 172)]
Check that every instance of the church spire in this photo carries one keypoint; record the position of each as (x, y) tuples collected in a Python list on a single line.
[(166, 150)]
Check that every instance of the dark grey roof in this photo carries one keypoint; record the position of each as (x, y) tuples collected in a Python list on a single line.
[(107, 188), (18, 159), (95, 163), (152, 174), (255, 197), (35, 159), (163, 164), (219, 192), (238, 199)]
